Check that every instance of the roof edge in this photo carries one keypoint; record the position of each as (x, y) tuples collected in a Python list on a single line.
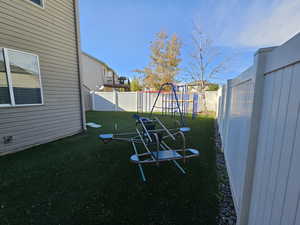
[(98, 60)]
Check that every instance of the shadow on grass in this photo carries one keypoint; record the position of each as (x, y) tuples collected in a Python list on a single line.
[(80, 180)]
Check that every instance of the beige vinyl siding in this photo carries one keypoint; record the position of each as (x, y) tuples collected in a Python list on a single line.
[(49, 33)]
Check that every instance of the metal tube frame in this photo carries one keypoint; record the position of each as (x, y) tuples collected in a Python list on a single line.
[(145, 129), (145, 145), (166, 147), (166, 129), (176, 98), (139, 165)]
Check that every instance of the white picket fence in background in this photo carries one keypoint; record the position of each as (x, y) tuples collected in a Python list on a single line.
[(143, 102), (259, 124)]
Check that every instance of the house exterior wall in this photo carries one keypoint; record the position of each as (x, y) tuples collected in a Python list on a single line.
[(96, 73), (93, 73), (52, 34)]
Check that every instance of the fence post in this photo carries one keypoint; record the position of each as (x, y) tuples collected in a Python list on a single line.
[(227, 107), (222, 121), (115, 96), (218, 103), (137, 101), (93, 100), (258, 86)]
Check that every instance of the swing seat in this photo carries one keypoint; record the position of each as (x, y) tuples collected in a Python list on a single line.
[(106, 137), (161, 156), (185, 129)]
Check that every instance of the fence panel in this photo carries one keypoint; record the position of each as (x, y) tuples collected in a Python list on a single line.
[(104, 101), (261, 137), (143, 101), (276, 182), (127, 101), (222, 111), (211, 98), (239, 107), (87, 98)]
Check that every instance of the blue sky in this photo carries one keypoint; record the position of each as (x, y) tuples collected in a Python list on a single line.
[(119, 32)]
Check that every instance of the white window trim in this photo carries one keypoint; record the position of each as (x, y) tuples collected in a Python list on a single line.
[(37, 5), (10, 83)]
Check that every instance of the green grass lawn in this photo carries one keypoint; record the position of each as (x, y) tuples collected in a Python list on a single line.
[(80, 180)]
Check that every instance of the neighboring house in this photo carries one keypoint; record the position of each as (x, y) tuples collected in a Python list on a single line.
[(195, 86), (98, 76), (40, 84)]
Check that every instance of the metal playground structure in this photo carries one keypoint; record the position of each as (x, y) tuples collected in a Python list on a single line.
[(169, 102), (149, 140)]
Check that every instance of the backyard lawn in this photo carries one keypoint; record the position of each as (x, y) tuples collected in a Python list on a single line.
[(80, 180)]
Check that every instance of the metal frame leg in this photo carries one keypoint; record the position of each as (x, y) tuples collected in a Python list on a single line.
[(178, 166), (165, 146), (142, 172), (139, 165)]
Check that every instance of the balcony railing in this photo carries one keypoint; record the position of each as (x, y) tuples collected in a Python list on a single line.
[(117, 82)]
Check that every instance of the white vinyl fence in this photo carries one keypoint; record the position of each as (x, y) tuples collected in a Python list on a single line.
[(87, 98), (143, 102), (211, 100), (259, 123)]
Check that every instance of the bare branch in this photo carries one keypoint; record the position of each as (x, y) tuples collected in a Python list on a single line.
[(206, 59)]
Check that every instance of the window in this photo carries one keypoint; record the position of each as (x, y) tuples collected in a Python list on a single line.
[(38, 2), (4, 89), (20, 80)]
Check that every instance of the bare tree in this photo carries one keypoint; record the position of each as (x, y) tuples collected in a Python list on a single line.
[(207, 60)]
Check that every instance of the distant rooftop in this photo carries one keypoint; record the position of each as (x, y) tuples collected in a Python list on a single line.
[(98, 60)]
